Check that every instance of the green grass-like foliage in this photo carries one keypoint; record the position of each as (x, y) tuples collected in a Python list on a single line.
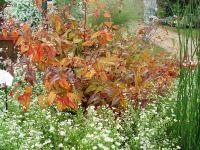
[(188, 106)]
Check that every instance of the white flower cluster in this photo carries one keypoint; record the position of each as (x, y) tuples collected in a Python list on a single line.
[(151, 124), (23, 11)]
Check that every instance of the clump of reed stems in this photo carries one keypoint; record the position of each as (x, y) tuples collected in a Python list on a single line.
[(188, 104)]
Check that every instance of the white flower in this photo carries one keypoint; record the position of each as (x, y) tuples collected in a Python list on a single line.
[(38, 145), (69, 122), (113, 147), (89, 136), (21, 135), (178, 147), (47, 142), (108, 139), (60, 145), (51, 129), (94, 147), (48, 117), (117, 143), (62, 133)]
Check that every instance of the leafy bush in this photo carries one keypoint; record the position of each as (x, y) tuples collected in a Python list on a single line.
[(90, 66)]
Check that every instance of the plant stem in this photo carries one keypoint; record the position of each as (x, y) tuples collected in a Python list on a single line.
[(85, 19), (6, 92)]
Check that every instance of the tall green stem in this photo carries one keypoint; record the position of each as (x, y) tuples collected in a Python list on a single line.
[(188, 105)]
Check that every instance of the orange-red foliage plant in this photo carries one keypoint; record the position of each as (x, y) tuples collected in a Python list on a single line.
[(91, 66)]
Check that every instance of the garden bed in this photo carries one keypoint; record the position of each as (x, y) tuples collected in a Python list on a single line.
[(92, 85)]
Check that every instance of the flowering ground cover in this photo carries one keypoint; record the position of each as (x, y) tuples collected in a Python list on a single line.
[(85, 85)]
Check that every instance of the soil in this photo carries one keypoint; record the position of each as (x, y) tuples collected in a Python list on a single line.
[(161, 36)]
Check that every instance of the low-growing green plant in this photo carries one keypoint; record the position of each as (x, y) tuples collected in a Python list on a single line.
[(145, 128), (152, 127)]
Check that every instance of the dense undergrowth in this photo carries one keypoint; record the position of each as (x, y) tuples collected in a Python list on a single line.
[(142, 128)]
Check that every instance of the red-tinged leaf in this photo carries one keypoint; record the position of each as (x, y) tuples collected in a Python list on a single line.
[(49, 50), (90, 74), (103, 76), (65, 62), (38, 54), (88, 43), (96, 13), (47, 85), (28, 90), (51, 98), (30, 49), (107, 15), (96, 34), (42, 101), (15, 35), (173, 73), (11, 94), (24, 48), (20, 41), (64, 84), (64, 102), (25, 101), (77, 96), (108, 37), (116, 27), (108, 24), (52, 62), (39, 4), (25, 27), (57, 22), (103, 36), (5, 33)]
